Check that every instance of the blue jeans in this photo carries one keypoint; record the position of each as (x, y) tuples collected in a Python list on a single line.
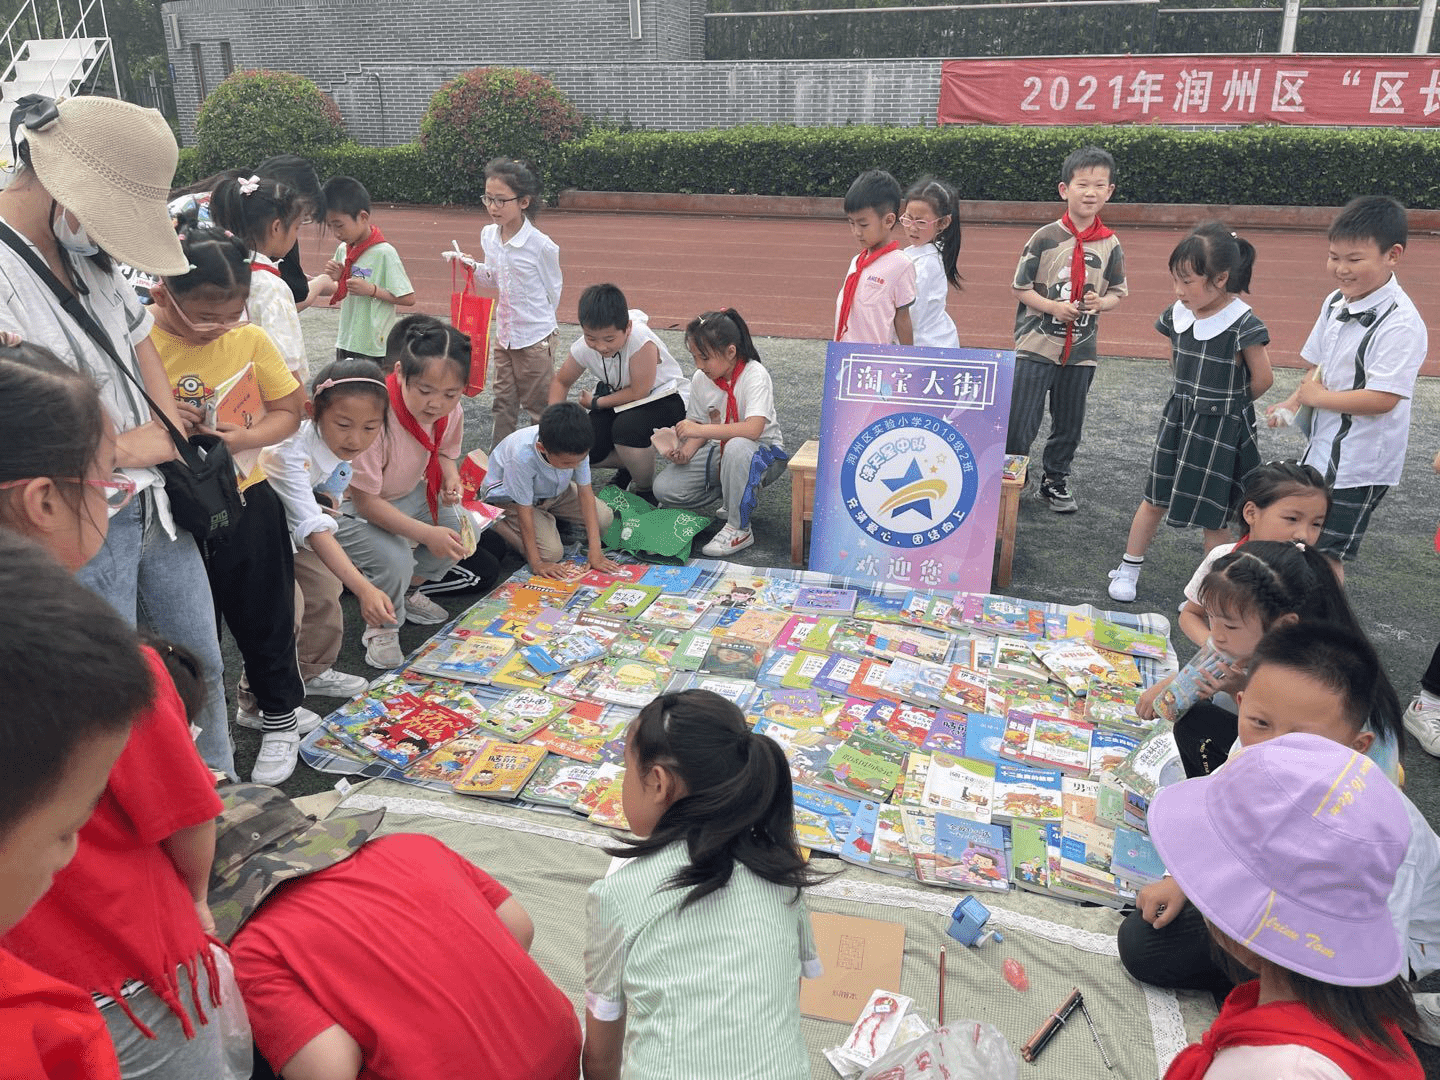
[(161, 583)]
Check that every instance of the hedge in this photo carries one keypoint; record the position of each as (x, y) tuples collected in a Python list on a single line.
[(1277, 166)]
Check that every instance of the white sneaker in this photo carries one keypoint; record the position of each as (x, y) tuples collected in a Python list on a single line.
[(278, 753), (382, 647), (332, 683), (722, 512), (728, 541), (1123, 580), (1422, 719), (1428, 1007), (305, 720), (420, 609)]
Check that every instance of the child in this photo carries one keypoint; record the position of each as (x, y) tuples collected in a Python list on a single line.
[(405, 488), (202, 343), (299, 176), (523, 265), (630, 364), (1070, 271), (311, 471), (1248, 593), (1289, 853), (1365, 349), (731, 416), (542, 473), (932, 222), (714, 884), (874, 303), (1207, 443), (266, 215), (1422, 717), (371, 277), (1281, 501), (127, 919)]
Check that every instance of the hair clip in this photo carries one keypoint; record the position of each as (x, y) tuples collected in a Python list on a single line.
[(1300, 545), (249, 187)]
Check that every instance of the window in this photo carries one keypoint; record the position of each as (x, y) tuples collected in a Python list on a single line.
[(227, 59), (197, 57)]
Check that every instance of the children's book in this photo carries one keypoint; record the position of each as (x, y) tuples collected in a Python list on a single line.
[(964, 689), (562, 654), (474, 658), (501, 771), (755, 626), (920, 839), (623, 601), (1154, 764), (869, 679), (1073, 662), (607, 624), (627, 682), (905, 725), (1015, 467), (984, 735), (610, 810), (960, 787), (519, 715), (1030, 863), (970, 855), (1109, 749), (574, 685), (837, 674), (690, 650), (927, 609), (1085, 853), (1025, 792), (557, 590), (911, 789), (550, 624), (1127, 672), (448, 762), (739, 591), (594, 790), (807, 632), (628, 572), (822, 819), (863, 768), (737, 691), (799, 709), (400, 740), (1051, 742), (890, 854), (860, 843), (733, 657), (1135, 859), (814, 600), (891, 642), (1121, 639), (1109, 800), (1005, 615), (1079, 798), (1114, 707), (879, 608), (515, 674), (672, 579), (915, 680), (800, 674), (578, 732), (947, 733), (238, 400), (557, 782), (676, 612), (806, 751), (1014, 660)]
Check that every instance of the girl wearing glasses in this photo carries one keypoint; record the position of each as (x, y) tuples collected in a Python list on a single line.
[(932, 222), (204, 342), (523, 264)]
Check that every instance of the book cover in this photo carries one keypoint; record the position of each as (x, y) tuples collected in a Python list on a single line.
[(971, 855), (863, 768), (448, 762), (1057, 743), (868, 679), (1154, 764), (1015, 467), (920, 839), (755, 626), (474, 658), (1079, 798), (1030, 861), (1121, 639), (632, 683), (515, 674), (947, 733), (1115, 707), (1134, 858), (800, 675), (800, 709), (675, 612), (550, 624), (1085, 851), (562, 654), (578, 733), (519, 715), (806, 751), (890, 854), (815, 600), (738, 691), (1109, 749), (1073, 662), (610, 810), (837, 674), (984, 735), (1015, 660), (626, 572), (501, 771), (1127, 672), (594, 790), (690, 650), (965, 689), (672, 579), (860, 842), (879, 608), (1025, 792), (907, 723), (858, 956), (738, 591), (960, 787), (623, 601), (907, 641), (400, 740), (557, 782), (822, 819), (574, 685), (1007, 615), (238, 401), (911, 789), (1109, 800), (733, 657), (915, 680)]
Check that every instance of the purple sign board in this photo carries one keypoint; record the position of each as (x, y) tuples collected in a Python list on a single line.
[(912, 446)]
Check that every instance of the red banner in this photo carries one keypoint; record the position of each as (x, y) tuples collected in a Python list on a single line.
[(1332, 90)]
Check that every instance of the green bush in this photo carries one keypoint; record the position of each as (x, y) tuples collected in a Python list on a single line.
[(254, 114), (491, 112), (404, 174)]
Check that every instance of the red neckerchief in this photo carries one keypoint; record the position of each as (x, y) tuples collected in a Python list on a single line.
[(1098, 230), (732, 407), (1244, 1022), (266, 267), (353, 252), (852, 282), (431, 444)]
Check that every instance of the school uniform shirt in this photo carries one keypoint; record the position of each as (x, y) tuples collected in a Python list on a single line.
[(196, 371), (364, 321), (615, 368), (519, 475), (1359, 451), (295, 469), (120, 910), (1045, 267), (686, 981), (394, 465), (30, 309), (886, 286), (754, 394), (1214, 555), (526, 271), (928, 318), (272, 307), (50, 1030), (401, 945), (1414, 900)]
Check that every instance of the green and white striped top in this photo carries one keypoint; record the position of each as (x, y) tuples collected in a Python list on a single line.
[(708, 993)]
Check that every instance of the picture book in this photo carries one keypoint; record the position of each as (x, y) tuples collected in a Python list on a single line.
[(1057, 743), (960, 787), (806, 751), (632, 642), (562, 654), (836, 674), (1154, 764), (858, 957), (739, 691), (557, 590), (947, 733), (970, 855), (1121, 639), (964, 689), (627, 573), (515, 674), (800, 675), (627, 682), (757, 627), (238, 400), (1079, 798), (915, 680), (578, 732), (927, 609), (449, 761), (1114, 707), (672, 579), (983, 736), (519, 715), (1073, 663), (907, 723), (1127, 672), (1025, 792), (574, 685), (1085, 851), (868, 679), (690, 650), (675, 612), (1015, 660), (878, 608), (911, 789), (413, 734), (475, 658), (660, 647), (862, 768), (501, 771), (477, 618), (1109, 800), (822, 819), (1030, 863), (1066, 622), (800, 629), (1108, 749), (595, 788), (920, 839), (800, 709), (1015, 467), (860, 842), (624, 601), (1005, 615), (739, 591), (610, 810), (907, 641), (1135, 859), (814, 600), (890, 854), (551, 623), (733, 657), (557, 782), (616, 628), (1050, 698)]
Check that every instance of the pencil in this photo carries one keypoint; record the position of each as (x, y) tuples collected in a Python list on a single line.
[(942, 986)]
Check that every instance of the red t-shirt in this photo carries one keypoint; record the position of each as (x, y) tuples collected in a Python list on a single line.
[(401, 946), (120, 911), (49, 1030)]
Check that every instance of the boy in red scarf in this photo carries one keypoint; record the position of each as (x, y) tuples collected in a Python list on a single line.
[(1070, 271), (874, 303), (372, 278)]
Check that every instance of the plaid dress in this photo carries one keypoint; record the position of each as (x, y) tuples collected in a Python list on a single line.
[(1207, 443)]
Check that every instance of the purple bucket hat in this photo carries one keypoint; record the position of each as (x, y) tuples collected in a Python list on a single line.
[(1291, 850)]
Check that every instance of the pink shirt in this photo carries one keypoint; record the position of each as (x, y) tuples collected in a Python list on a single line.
[(395, 463), (886, 286)]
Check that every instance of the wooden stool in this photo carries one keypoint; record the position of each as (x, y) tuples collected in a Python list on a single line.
[(1005, 529)]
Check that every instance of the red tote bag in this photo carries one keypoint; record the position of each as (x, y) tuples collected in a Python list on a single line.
[(472, 314)]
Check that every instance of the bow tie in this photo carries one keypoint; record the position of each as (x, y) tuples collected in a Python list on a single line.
[(1364, 318)]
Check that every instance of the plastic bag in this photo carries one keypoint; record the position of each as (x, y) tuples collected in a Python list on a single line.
[(236, 1041), (963, 1050)]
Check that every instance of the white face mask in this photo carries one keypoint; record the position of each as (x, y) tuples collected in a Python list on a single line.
[(74, 240)]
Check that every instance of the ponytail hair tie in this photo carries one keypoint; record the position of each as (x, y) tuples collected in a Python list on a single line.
[(250, 186)]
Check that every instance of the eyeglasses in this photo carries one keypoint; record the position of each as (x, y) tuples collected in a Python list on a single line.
[(907, 221), (207, 327), (499, 200), (118, 489)]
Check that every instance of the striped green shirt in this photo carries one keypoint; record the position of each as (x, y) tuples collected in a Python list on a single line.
[(708, 993)]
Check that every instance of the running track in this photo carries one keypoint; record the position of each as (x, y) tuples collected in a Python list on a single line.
[(782, 275)]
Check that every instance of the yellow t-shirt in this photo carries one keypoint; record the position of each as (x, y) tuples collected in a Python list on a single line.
[(195, 371)]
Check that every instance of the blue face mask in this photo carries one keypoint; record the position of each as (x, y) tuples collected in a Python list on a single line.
[(74, 240)]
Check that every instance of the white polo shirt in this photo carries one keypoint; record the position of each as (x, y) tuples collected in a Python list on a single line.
[(1358, 451), (526, 271)]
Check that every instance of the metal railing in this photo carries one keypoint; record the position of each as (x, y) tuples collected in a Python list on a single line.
[(78, 31)]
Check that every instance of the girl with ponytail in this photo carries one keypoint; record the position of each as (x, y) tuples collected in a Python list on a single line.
[(707, 909)]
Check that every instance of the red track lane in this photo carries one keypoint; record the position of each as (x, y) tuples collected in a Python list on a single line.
[(782, 275)]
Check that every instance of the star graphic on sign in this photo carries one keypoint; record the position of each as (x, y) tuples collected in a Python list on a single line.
[(912, 492)]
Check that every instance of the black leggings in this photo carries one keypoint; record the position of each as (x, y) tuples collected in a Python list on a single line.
[(633, 427), (1430, 681), (1177, 956), (1205, 733)]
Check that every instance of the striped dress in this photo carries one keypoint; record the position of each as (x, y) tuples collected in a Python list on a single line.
[(707, 993)]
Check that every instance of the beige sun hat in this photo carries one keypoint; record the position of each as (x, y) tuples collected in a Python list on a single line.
[(110, 163)]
